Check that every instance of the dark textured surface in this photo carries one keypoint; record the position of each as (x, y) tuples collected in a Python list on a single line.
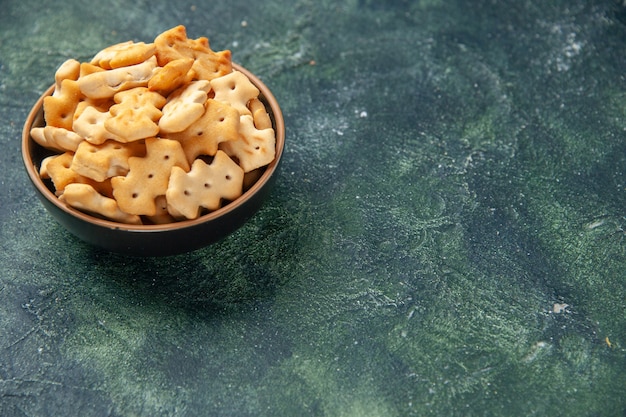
[(445, 236)]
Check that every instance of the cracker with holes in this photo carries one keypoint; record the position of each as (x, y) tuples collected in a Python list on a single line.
[(254, 148), (148, 176), (236, 90), (205, 186), (173, 44), (85, 197), (219, 123), (162, 215), (135, 114), (107, 160), (58, 169), (89, 124), (59, 108)]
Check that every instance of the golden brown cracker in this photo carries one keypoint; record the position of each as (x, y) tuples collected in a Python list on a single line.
[(85, 197), (148, 176), (59, 171), (171, 76), (68, 70), (90, 124), (135, 114), (162, 215), (107, 160), (254, 148), (56, 138), (219, 123), (105, 84), (174, 44), (59, 108), (204, 186), (86, 69), (236, 89), (259, 114), (184, 106), (123, 54)]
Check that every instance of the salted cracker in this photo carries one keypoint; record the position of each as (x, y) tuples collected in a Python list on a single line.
[(58, 169), (184, 106), (254, 148), (56, 138), (235, 89), (174, 44), (43, 167), (107, 160), (162, 215), (123, 54), (59, 108), (219, 123), (148, 176), (85, 197), (90, 125), (171, 76), (86, 69), (204, 186), (68, 70), (135, 114), (261, 118), (104, 84)]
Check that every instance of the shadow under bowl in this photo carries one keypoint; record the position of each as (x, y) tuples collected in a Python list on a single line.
[(154, 239)]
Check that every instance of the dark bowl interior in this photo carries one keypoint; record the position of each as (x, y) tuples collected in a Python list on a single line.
[(163, 239)]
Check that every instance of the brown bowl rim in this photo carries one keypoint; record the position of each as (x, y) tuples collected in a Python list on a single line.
[(279, 128)]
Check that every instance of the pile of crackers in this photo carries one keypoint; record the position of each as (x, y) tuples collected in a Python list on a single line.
[(153, 133)]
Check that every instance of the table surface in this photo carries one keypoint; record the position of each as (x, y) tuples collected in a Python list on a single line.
[(445, 236)]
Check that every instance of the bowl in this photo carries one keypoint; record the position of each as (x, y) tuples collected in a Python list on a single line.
[(158, 239)]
